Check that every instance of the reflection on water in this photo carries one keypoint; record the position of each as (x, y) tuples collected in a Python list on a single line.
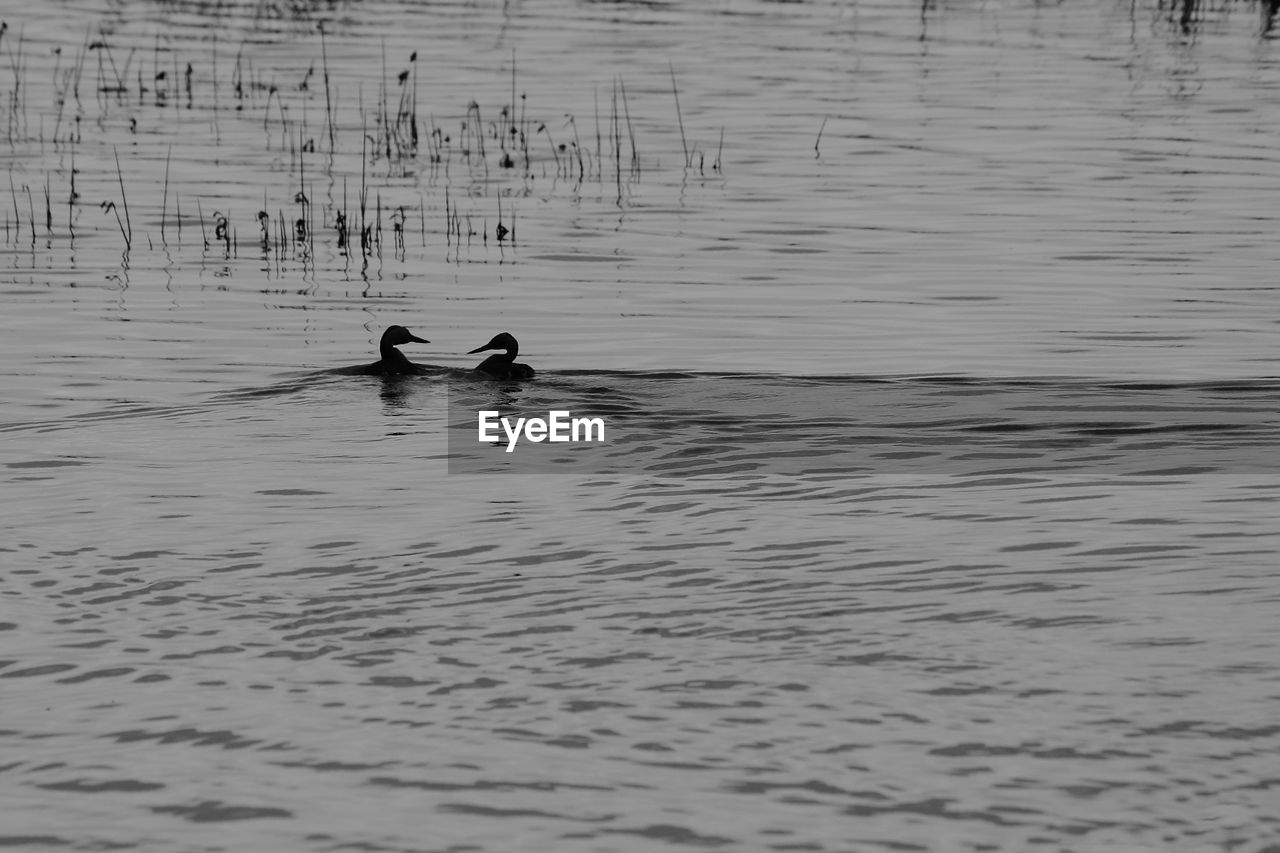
[(859, 568)]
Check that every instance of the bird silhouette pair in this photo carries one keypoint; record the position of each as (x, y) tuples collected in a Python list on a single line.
[(500, 365)]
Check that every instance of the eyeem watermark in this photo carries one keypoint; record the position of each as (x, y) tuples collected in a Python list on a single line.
[(559, 426)]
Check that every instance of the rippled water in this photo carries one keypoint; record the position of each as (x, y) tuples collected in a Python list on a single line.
[(937, 346)]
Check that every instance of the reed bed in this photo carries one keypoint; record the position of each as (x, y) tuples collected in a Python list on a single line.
[(452, 182)]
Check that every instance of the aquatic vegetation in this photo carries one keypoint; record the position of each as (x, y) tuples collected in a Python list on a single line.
[(162, 115)]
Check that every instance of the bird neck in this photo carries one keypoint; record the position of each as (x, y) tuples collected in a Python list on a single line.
[(391, 355)]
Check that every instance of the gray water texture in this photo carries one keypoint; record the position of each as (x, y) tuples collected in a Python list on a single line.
[(937, 350)]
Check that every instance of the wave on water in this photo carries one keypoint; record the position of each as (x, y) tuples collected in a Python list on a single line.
[(671, 423), (688, 423)]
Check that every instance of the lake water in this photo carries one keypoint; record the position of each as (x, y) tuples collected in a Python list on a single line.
[(937, 348)]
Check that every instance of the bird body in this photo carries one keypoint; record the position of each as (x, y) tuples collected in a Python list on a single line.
[(503, 365), (393, 362)]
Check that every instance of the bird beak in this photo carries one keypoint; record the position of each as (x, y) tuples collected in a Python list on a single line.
[(479, 349), (418, 340)]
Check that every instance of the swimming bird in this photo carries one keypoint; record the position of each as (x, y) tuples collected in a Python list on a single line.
[(393, 362), (503, 366)]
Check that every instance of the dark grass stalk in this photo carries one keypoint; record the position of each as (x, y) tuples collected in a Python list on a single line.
[(31, 209), (155, 69), (200, 213), (237, 76), (60, 93), (13, 196), (679, 117), (344, 231), (302, 178), (80, 59), (118, 88), (631, 134), (124, 199), (311, 226), (382, 101), (227, 232), (717, 166), (479, 134), (818, 141), (328, 100), (99, 90), (71, 199), (178, 200), (270, 247), (25, 122), (110, 206), (577, 149), (306, 142), (524, 132), (15, 63), (222, 231), (552, 144), (266, 115), (264, 222), (413, 105), (402, 110), (617, 141), (333, 143), (364, 190), (48, 208), (287, 141), (422, 219), (13, 105), (406, 138), (217, 132), (124, 75), (19, 85), (164, 204), (595, 95)]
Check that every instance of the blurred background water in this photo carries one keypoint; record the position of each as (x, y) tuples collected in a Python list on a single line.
[(945, 340)]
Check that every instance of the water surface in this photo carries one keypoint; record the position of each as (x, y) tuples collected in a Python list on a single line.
[(940, 344)]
